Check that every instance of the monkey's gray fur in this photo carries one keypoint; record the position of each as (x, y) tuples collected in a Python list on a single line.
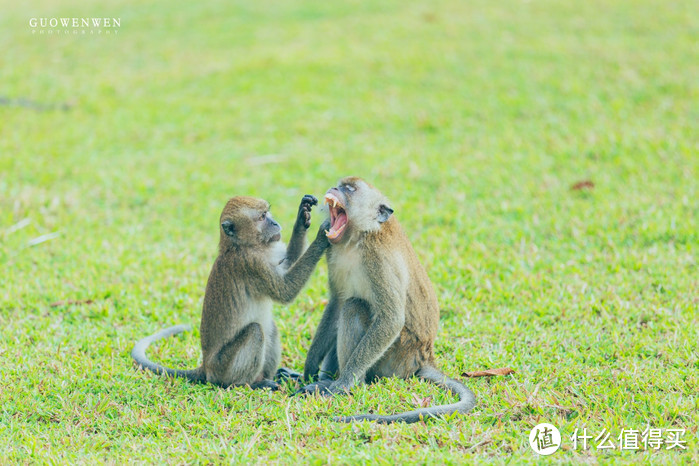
[(239, 340), (382, 316)]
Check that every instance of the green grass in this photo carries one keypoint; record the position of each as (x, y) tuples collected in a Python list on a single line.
[(474, 118)]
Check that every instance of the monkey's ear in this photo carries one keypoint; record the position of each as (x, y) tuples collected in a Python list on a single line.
[(384, 213), (228, 227)]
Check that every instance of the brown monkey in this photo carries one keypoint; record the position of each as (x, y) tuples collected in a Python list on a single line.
[(239, 340), (382, 316)]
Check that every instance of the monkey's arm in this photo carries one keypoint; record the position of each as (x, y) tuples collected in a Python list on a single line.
[(298, 235), (388, 319), (323, 341), (284, 287)]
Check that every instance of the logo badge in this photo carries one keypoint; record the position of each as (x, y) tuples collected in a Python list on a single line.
[(545, 439)]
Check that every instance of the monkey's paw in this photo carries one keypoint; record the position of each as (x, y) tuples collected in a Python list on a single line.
[(284, 374), (337, 388), (322, 236), (321, 387), (326, 388), (307, 203), (266, 384)]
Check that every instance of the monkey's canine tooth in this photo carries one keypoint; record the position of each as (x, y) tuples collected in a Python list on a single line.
[(331, 198)]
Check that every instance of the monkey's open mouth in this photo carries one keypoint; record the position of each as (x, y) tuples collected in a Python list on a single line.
[(338, 218)]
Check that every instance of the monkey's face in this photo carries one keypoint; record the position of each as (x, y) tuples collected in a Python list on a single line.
[(270, 231), (246, 221), (355, 206)]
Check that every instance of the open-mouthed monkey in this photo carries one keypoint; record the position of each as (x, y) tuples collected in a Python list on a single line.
[(382, 316)]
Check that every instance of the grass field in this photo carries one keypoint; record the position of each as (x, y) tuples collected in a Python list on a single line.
[(475, 118)]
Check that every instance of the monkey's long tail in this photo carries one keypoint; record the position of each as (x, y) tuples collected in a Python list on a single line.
[(467, 400), (138, 353)]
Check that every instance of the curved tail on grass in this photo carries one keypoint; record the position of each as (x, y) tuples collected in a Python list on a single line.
[(467, 400), (138, 353)]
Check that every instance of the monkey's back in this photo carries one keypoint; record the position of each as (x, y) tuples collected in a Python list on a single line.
[(421, 305), (229, 304)]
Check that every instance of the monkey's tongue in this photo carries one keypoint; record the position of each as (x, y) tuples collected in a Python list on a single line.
[(339, 222)]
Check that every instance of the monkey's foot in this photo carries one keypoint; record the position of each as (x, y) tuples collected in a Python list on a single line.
[(284, 374), (337, 388), (321, 387), (266, 384), (326, 388)]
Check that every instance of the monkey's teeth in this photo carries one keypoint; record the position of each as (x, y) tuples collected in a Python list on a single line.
[(332, 200), (334, 234)]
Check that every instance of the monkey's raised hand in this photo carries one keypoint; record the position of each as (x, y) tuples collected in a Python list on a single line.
[(324, 227), (304, 215)]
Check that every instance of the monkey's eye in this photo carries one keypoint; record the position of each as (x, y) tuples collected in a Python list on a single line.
[(350, 188), (262, 217)]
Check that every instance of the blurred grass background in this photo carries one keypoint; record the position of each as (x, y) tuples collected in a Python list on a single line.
[(475, 118)]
